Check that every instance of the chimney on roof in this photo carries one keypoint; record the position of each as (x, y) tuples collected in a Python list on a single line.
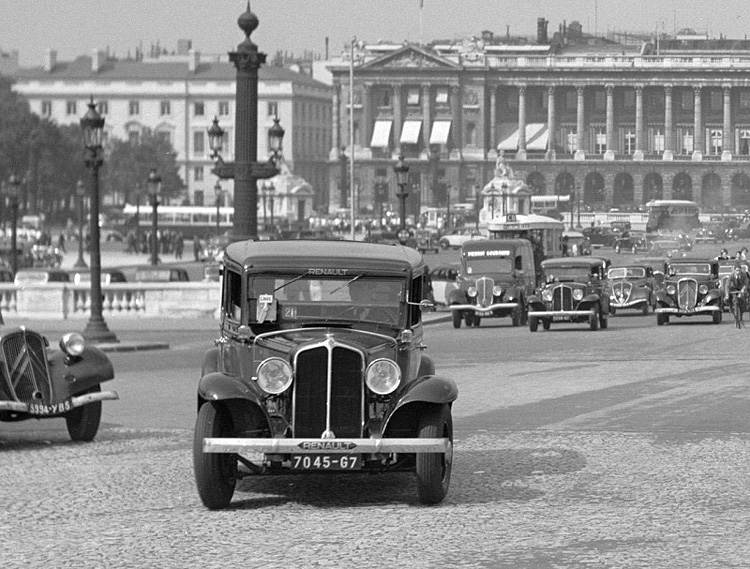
[(194, 60), (98, 57), (184, 46), (50, 59), (541, 31)]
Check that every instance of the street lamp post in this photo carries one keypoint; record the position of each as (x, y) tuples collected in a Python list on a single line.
[(92, 125), (219, 197), (572, 204), (14, 190), (246, 171), (402, 177), (137, 218), (578, 207), (477, 202), (80, 194), (263, 193), (271, 189), (154, 189)]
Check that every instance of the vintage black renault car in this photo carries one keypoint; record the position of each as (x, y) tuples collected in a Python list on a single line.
[(692, 287), (38, 381), (495, 278), (321, 367), (573, 291), (631, 287)]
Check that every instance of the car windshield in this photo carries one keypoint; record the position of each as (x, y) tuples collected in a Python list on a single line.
[(305, 298), (502, 265), (567, 273), (626, 273), (729, 269), (690, 269)]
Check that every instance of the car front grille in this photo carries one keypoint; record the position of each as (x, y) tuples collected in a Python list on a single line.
[(328, 392), (622, 291), (484, 291), (562, 298), (687, 293), (25, 362)]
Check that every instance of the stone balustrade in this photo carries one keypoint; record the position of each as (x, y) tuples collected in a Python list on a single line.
[(120, 300)]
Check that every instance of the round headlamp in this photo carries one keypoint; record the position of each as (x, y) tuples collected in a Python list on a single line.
[(383, 376), (703, 289), (274, 375), (472, 291), (72, 344), (497, 290), (547, 295), (577, 294), (671, 289)]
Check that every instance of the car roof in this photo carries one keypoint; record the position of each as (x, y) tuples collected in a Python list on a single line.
[(484, 244), (574, 261), (319, 254), (631, 266)]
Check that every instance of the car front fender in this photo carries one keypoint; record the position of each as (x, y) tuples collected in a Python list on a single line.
[(73, 376), (244, 403), (457, 296)]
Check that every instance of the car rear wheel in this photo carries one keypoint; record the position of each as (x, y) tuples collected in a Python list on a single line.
[(434, 469), (546, 324), (717, 317), (644, 309), (83, 422), (457, 317), (215, 473)]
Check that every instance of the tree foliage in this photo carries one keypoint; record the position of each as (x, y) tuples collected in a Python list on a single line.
[(127, 167)]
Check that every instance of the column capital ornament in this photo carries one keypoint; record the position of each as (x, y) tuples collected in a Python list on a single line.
[(668, 89), (639, 89), (580, 89), (697, 89), (521, 89), (454, 90), (727, 87), (551, 90), (610, 88), (425, 86), (368, 85)]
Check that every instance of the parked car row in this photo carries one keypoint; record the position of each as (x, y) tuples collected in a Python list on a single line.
[(145, 273)]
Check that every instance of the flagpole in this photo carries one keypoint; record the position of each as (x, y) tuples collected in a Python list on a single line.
[(421, 23)]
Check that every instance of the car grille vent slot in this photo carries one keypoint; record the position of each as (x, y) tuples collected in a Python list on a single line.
[(484, 291), (562, 298), (622, 291), (312, 386), (25, 361)]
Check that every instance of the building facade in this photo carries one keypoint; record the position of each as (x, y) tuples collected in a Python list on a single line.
[(177, 96), (613, 125)]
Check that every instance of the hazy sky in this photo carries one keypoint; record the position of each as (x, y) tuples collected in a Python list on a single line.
[(75, 27)]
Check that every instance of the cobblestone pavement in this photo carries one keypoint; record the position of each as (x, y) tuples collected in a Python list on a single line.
[(518, 499)]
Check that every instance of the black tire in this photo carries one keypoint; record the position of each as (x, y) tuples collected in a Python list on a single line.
[(594, 322), (546, 323), (644, 310), (515, 317), (612, 310), (215, 474), (660, 319), (83, 422), (469, 318), (476, 321), (434, 469), (533, 323), (457, 318), (716, 317)]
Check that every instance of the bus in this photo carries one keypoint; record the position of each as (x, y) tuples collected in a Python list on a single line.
[(550, 205), (672, 216), (544, 233), (187, 219)]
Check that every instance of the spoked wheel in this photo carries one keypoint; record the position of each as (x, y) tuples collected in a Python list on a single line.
[(83, 422), (434, 469), (215, 474)]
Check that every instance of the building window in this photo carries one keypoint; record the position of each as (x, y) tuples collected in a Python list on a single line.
[(629, 142), (46, 108), (71, 108), (199, 109), (688, 100), (571, 100), (441, 97), (273, 109), (165, 136), (223, 108), (745, 99), (412, 97), (571, 141), (198, 197), (600, 137), (134, 108), (744, 147), (717, 101), (628, 99), (103, 107), (717, 140), (198, 173), (134, 137), (165, 108), (471, 134), (600, 100), (687, 142), (658, 142), (199, 146)]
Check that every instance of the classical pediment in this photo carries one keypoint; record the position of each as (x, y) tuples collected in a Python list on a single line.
[(410, 57)]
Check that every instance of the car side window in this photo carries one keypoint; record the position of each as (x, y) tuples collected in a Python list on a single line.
[(415, 296), (232, 295)]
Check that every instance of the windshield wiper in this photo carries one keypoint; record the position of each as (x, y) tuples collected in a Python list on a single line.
[(347, 283), (294, 280)]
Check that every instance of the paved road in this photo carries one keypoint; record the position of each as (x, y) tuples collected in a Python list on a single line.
[(613, 449)]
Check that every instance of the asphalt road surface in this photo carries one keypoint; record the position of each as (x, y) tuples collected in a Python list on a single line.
[(627, 447)]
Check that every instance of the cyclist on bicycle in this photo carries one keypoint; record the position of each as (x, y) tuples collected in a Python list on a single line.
[(738, 282)]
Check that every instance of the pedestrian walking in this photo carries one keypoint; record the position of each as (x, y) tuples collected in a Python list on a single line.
[(197, 247), (178, 245), (61, 243)]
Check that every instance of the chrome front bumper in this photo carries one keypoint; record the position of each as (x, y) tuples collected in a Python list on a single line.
[(560, 313), (476, 308), (72, 403), (628, 304), (682, 312), (326, 446)]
